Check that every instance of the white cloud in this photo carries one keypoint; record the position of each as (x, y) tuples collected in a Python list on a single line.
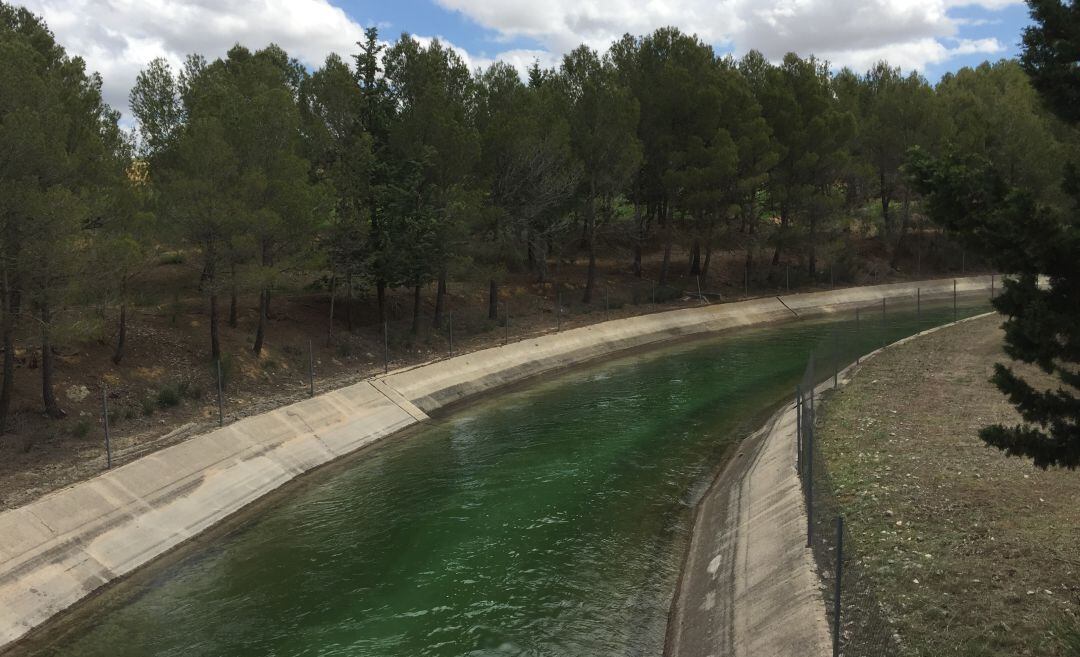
[(118, 38), (911, 33)]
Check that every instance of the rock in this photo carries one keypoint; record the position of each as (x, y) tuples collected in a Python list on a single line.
[(888, 513), (78, 393)]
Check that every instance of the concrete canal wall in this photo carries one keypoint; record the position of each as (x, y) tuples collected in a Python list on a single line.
[(65, 545)]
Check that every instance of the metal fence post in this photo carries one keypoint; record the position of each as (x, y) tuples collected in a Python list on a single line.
[(386, 346), (809, 431), (746, 281), (220, 397), (954, 300), (991, 286), (918, 303), (311, 369), (787, 277), (450, 331), (701, 299), (836, 593), (105, 415), (798, 428), (884, 327), (607, 303), (832, 276), (506, 322), (836, 360), (558, 311)]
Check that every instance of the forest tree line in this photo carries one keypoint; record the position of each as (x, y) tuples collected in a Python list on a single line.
[(398, 166)]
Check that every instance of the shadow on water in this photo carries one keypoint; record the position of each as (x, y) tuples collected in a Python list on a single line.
[(550, 520)]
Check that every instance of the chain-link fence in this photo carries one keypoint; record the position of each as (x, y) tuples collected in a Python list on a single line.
[(857, 621)]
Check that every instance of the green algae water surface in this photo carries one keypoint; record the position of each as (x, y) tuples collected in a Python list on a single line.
[(546, 521)]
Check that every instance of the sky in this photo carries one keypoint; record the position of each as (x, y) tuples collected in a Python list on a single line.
[(118, 37)]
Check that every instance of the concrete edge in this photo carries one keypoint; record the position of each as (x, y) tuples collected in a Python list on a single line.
[(749, 585), (62, 547)]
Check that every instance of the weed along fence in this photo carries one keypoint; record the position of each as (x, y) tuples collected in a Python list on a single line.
[(857, 621)]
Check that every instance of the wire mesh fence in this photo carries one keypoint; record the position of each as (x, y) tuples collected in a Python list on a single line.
[(858, 623)]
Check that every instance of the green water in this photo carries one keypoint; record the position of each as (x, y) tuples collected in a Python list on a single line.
[(546, 521)]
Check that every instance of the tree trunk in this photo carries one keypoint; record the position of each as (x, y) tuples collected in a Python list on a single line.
[(666, 264), (886, 198), (780, 239), (590, 277), (260, 329), (8, 382), (380, 294), (233, 294), (590, 245), (905, 220), (215, 340), (493, 300), (639, 241), (708, 260), (440, 300), (348, 302), (695, 258), (121, 336), (333, 294), (416, 310), (48, 395)]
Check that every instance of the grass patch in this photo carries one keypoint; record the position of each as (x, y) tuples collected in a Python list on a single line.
[(969, 551)]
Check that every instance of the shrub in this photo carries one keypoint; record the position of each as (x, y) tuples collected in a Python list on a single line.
[(168, 396), (190, 390), (148, 406), (81, 429)]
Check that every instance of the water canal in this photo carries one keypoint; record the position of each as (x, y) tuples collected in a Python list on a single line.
[(549, 520)]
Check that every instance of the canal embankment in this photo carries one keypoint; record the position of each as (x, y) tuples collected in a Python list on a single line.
[(64, 546)]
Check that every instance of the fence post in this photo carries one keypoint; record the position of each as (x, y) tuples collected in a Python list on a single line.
[(105, 415), (884, 327), (991, 286), (607, 303), (311, 369), (506, 323), (836, 593), (954, 300), (746, 281), (798, 428), (836, 360), (809, 431), (220, 398), (787, 277), (386, 346), (654, 293), (558, 311), (832, 276), (701, 299), (450, 330), (918, 303)]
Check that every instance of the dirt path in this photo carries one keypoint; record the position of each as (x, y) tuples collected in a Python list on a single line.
[(970, 552)]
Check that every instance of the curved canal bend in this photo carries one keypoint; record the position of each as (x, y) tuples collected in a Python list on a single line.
[(550, 520)]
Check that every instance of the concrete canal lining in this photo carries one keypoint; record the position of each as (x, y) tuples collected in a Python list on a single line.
[(62, 547)]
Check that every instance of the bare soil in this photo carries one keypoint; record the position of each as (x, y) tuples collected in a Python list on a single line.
[(165, 388), (970, 552)]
